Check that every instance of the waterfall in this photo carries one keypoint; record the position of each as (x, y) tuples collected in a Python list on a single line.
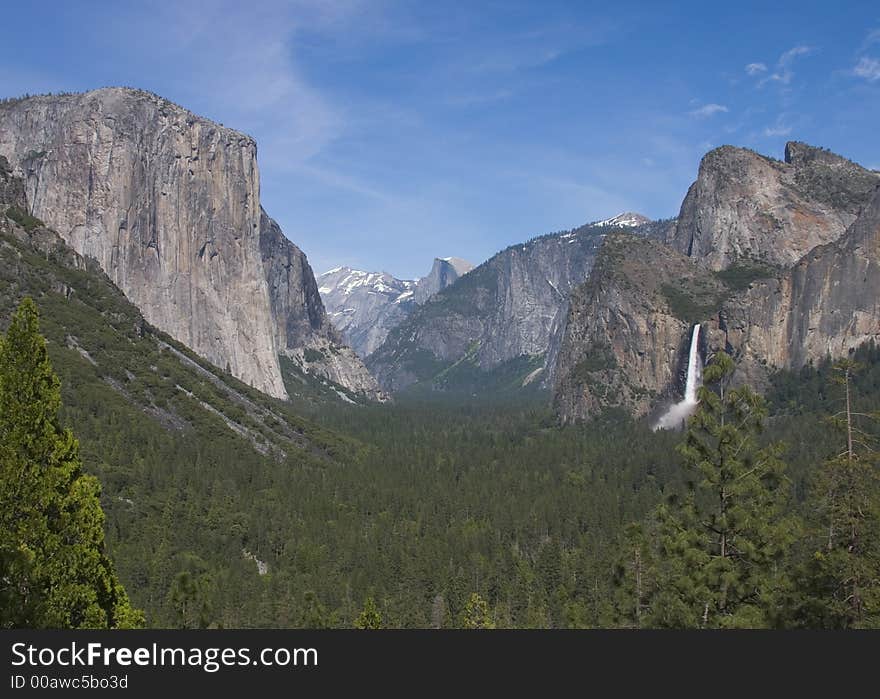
[(678, 413), (695, 371)]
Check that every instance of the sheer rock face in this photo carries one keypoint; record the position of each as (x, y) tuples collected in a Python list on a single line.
[(168, 204), (511, 307), (622, 342), (11, 188), (745, 205), (293, 293), (827, 304), (304, 331), (629, 327), (444, 272), (12, 197)]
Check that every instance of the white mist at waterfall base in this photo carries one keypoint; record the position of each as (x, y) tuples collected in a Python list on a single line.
[(678, 413)]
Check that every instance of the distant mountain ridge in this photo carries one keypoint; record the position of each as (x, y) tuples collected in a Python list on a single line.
[(501, 323), (628, 219), (365, 306)]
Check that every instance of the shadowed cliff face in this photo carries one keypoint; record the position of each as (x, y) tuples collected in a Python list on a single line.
[(510, 309), (623, 339), (168, 204), (827, 304), (304, 333), (293, 293), (628, 326), (745, 205)]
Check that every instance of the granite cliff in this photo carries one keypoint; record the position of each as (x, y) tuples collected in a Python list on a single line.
[(816, 293), (497, 327), (746, 205), (168, 203), (445, 271)]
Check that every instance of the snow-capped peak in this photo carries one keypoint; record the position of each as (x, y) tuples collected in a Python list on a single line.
[(344, 281), (627, 219)]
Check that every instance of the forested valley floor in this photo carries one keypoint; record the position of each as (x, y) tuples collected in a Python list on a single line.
[(434, 505), (226, 508)]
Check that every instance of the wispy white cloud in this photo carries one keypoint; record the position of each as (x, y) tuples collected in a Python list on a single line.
[(781, 127), (873, 37), (756, 68), (504, 62), (247, 70), (782, 71), (490, 70), (867, 68), (708, 110), (779, 130), (337, 180)]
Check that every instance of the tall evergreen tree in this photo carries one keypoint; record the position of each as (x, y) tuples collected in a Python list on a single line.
[(634, 577), (190, 600), (723, 547), (314, 613), (53, 569), (841, 579)]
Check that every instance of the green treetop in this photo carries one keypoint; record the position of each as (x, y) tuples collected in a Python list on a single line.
[(369, 618), (54, 572), (840, 581), (476, 614), (722, 548)]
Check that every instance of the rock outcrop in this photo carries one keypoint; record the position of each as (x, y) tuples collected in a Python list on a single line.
[(168, 204), (444, 272), (825, 305), (746, 205), (505, 315), (629, 326)]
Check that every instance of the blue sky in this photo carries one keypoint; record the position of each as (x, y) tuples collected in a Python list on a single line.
[(393, 132)]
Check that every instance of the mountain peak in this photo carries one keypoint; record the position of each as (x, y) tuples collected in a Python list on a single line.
[(125, 104), (443, 273), (798, 153), (813, 184), (460, 265), (627, 219)]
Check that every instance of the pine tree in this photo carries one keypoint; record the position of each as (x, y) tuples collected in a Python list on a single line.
[(476, 614), (634, 580), (369, 618), (842, 577), (723, 547), (314, 613), (54, 572), (190, 600)]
